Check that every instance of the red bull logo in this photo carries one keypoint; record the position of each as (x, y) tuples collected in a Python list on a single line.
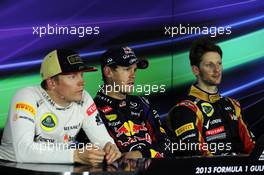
[(130, 128), (131, 140)]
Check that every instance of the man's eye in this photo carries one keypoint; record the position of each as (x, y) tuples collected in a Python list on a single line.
[(72, 76)]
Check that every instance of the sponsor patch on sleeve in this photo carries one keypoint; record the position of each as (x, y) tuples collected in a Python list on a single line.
[(26, 107), (91, 109), (184, 128)]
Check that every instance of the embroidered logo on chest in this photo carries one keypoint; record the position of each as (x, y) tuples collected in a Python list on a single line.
[(207, 109), (48, 122)]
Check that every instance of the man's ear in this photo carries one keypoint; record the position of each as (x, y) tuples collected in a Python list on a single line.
[(107, 71), (195, 70), (50, 83)]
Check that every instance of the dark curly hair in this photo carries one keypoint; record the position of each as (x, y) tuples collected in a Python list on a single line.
[(199, 48)]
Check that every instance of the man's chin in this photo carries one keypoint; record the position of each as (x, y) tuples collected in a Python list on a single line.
[(218, 82), (127, 92), (78, 99), (214, 83)]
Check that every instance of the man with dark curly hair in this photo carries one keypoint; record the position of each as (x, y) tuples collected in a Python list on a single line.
[(205, 122)]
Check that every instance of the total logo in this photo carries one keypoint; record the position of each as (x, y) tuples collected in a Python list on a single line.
[(130, 128), (91, 109)]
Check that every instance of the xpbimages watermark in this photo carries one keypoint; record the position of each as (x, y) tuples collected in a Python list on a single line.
[(195, 147), (56, 29), (49, 146), (145, 89), (213, 31)]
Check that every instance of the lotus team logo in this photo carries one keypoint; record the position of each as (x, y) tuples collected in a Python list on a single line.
[(207, 109), (48, 122)]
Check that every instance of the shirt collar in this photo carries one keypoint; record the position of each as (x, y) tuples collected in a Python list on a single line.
[(205, 96)]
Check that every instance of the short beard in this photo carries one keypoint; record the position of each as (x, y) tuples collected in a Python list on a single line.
[(209, 82)]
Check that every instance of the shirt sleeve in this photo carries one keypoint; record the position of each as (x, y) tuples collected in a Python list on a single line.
[(21, 124), (157, 132), (245, 135), (93, 124), (184, 120)]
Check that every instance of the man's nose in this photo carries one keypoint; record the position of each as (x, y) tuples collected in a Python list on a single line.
[(217, 68), (132, 75), (81, 81)]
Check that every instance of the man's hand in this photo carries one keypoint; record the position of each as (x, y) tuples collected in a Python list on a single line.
[(112, 153), (132, 155), (92, 156)]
